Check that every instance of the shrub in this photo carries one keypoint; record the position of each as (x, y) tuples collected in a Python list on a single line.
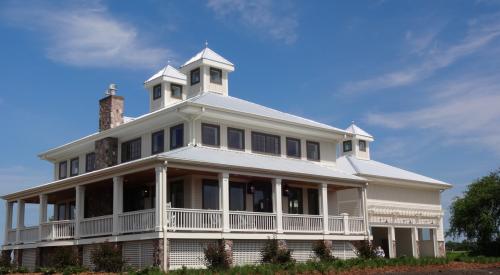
[(5, 259), (322, 251), (216, 256), (20, 269), (46, 270), (150, 270), (275, 253), (68, 270), (62, 257), (107, 258), (365, 250)]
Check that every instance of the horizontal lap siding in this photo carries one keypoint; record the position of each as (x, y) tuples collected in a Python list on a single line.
[(29, 259)]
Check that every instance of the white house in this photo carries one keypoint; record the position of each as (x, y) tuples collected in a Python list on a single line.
[(203, 166)]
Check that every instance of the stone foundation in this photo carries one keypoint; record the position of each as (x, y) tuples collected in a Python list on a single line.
[(441, 249), (158, 252)]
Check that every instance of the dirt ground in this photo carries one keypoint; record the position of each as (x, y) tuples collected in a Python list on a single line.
[(451, 268)]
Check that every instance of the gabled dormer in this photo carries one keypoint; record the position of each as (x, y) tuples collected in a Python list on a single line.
[(356, 143), (207, 71), (165, 87)]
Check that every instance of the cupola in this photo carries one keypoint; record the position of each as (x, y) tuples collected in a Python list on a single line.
[(356, 143), (207, 71), (165, 87)]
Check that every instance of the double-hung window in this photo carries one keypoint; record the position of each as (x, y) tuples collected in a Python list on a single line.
[(265, 143), (131, 150), (156, 91), (293, 147), (210, 134), (63, 169), (176, 136), (195, 76), (176, 91), (90, 162), (157, 142), (74, 167), (215, 75), (347, 146), (313, 150), (362, 145), (236, 139)]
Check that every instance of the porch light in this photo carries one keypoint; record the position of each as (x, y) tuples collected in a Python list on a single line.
[(286, 190), (251, 189)]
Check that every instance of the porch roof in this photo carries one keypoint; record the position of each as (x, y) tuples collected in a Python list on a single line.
[(238, 159)]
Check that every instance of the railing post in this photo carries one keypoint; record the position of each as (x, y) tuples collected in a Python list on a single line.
[(345, 216), (277, 204), (20, 219), (224, 200), (161, 196), (42, 216), (8, 220), (79, 209), (117, 203), (324, 206)]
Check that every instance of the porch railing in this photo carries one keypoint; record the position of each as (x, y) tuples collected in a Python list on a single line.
[(28, 234), (252, 221), (336, 224), (194, 219), (356, 225), (97, 226), (137, 221), (58, 230), (302, 223), (11, 236)]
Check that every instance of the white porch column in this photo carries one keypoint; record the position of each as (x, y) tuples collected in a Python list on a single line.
[(9, 206), (160, 197), (345, 217), (434, 242), (42, 213), (117, 203), (79, 209), (224, 200), (364, 209), (414, 241), (277, 204), (20, 219), (324, 206), (391, 240)]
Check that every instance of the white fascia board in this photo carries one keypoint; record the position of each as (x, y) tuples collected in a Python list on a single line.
[(223, 66), (405, 182), (161, 79)]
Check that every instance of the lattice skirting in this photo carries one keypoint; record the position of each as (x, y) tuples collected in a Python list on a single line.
[(28, 258), (138, 254), (188, 253), (87, 256), (247, 252), (343, 250)]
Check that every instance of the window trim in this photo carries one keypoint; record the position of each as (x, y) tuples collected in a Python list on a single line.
[(307, 150), (243, 134), (77, 159), (128, 142), (364, 145), (172, 91), (263, 152), (218, 135), (87, 169), (343, 146), (65, 162), (191, 76), (218, 70), (155, 96), (300, 147), (162, 132), (171, 133)]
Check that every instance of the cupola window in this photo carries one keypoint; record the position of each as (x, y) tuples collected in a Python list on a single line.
[(156, 91), (362, 145), (176, 91), (215, 76), (195, 76), (347, 145)]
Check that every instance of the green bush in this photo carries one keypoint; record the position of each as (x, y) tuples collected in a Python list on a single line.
[(63, 256), (4, 270), (365, 249), (46, 270), (107, 258), (150, 270), (273, 253), (216, 256), (322, 251), (68, 270)]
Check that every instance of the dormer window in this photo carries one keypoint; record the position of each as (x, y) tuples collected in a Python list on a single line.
[(362, 145), (347, 145), (176, 91), (156, 92), (195, 76), (215, 76)]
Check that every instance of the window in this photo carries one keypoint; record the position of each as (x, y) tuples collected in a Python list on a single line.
[(131, 150), (295, 200), (72, 208), (313, 201), (312, 150), (237, 196), (210, 134), (73, 167), (177, 194), (195, 76), (176, 91), (293, 147), (262, 194), (156, 91), (90, 162), (362, 145), (210, 194), (138, 196), (235, 139), (63, 169), (157, 142), (177, 136), (347, 145), (61, 211), (215, 76), (264, 143)]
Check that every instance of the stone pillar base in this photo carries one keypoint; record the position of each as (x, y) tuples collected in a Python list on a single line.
[(441, 249)]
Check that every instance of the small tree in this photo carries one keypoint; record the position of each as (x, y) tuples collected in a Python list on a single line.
[(63, 256), (107, 258), (322, 251), (365, 249), (476, 215), (276, 253), (216, 256)]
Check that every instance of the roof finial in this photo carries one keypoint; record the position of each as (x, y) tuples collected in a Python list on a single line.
[(168, 61), (206, 43), (352, 122)]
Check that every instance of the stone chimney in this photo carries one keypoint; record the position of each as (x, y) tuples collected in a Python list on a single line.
[(110, 109)]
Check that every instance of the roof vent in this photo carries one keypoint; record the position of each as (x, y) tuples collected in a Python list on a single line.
[(111, 89)]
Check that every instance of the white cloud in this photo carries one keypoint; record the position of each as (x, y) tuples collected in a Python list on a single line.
[(262, 15), (480, 33), (85, 34)]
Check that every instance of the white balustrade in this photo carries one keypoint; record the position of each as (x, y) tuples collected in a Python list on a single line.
[(96, 226), (336, 224), (252, 221), (29, 234), (194, 219), (302, 223), (11, 236), (356, 225), (137, 221), (58, 230)]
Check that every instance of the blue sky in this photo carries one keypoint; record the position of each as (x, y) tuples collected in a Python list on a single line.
[(421, 76)]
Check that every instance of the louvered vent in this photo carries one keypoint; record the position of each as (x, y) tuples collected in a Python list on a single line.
[(138, 254)]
